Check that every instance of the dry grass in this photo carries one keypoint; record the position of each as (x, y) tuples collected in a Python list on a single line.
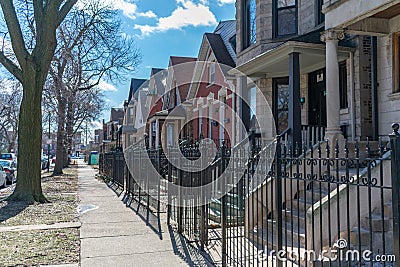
[(59, 190), (39, 247), (45, 246)]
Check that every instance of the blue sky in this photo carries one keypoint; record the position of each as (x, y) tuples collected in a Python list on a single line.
[(164, 28)]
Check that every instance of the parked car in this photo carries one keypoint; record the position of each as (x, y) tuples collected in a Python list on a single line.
[(45, 163), (10, 168), (8, 156), (3, 179)]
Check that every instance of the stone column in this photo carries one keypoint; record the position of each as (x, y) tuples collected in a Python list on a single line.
[(294, 100), (244, 110), (333, 132)]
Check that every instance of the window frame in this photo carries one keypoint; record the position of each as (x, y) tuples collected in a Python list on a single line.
[(319, 16), (396, 63), (275, 24), (211, 73), (343, 89), (246, 24)]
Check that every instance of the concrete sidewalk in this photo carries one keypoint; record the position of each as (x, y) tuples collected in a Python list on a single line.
[(115, 235)]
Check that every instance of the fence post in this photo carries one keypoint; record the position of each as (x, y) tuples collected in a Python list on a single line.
[(223, 207), (180, 198), (169, 207), (395, 147), (278, 201), (203, 220)]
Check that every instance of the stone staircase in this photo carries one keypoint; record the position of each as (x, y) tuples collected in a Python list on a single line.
[(374, 231), (235, 209)]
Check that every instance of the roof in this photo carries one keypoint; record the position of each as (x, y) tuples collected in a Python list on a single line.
[(227, 30), (154, 71), (174, 60), (117, 114), (157, 81), (219, 49), (142, 97), (183, 68), (222, 48), (135, 85)]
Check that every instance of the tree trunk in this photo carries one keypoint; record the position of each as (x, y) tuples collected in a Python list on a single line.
[(60, 138), (28, 188), (69, 126)]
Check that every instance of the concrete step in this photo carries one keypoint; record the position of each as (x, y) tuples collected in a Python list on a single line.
[(312, 195), (300, 206), (292, 215), (324, 186)]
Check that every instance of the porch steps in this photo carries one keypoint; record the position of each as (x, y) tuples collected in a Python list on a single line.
[(235, 208), (294, 221)]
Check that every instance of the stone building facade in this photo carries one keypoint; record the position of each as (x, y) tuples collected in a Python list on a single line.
[(343, 54)]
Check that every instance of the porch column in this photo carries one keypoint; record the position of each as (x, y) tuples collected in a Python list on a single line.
[(151, 135), (244, 109), (333, 132), (157, 141), (294, 100)]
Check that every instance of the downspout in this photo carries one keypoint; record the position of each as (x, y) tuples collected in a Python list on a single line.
[(374, 88), (352, 98)]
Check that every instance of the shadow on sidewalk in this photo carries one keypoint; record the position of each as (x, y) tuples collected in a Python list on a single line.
[(150, 217), (191, 254), (118, 189)]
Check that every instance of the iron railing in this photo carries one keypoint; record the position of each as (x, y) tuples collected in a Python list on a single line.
[(315, 204)]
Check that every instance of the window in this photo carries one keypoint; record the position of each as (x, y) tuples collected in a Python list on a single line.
[(343, 85), (320, 17), (232, 41), (396, 62), (285, 17), (211, 77), (281, 90), (250, 25), (170, 134)]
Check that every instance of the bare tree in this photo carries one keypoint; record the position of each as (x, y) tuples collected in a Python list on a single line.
[(32, 36), (98, 50), (10, 100)]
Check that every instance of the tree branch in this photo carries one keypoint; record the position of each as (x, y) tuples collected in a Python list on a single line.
[(64, 10), (14, 28), (11, 67), (38, 11)]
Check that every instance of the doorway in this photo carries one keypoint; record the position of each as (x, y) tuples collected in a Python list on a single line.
[(317, 98)]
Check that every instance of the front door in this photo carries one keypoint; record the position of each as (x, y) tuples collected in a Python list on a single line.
[(317, 98)]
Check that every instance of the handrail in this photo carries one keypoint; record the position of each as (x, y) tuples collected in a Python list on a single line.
[(285, 132)]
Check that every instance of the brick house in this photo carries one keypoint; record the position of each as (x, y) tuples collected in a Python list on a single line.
[(212, 88)]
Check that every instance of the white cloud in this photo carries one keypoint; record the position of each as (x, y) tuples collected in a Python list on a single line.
[(107, 87), (225, 2), (128, 8), (186, 14)]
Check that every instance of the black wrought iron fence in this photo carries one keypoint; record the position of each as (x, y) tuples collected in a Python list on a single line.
[(112, 164), (317, 204)]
